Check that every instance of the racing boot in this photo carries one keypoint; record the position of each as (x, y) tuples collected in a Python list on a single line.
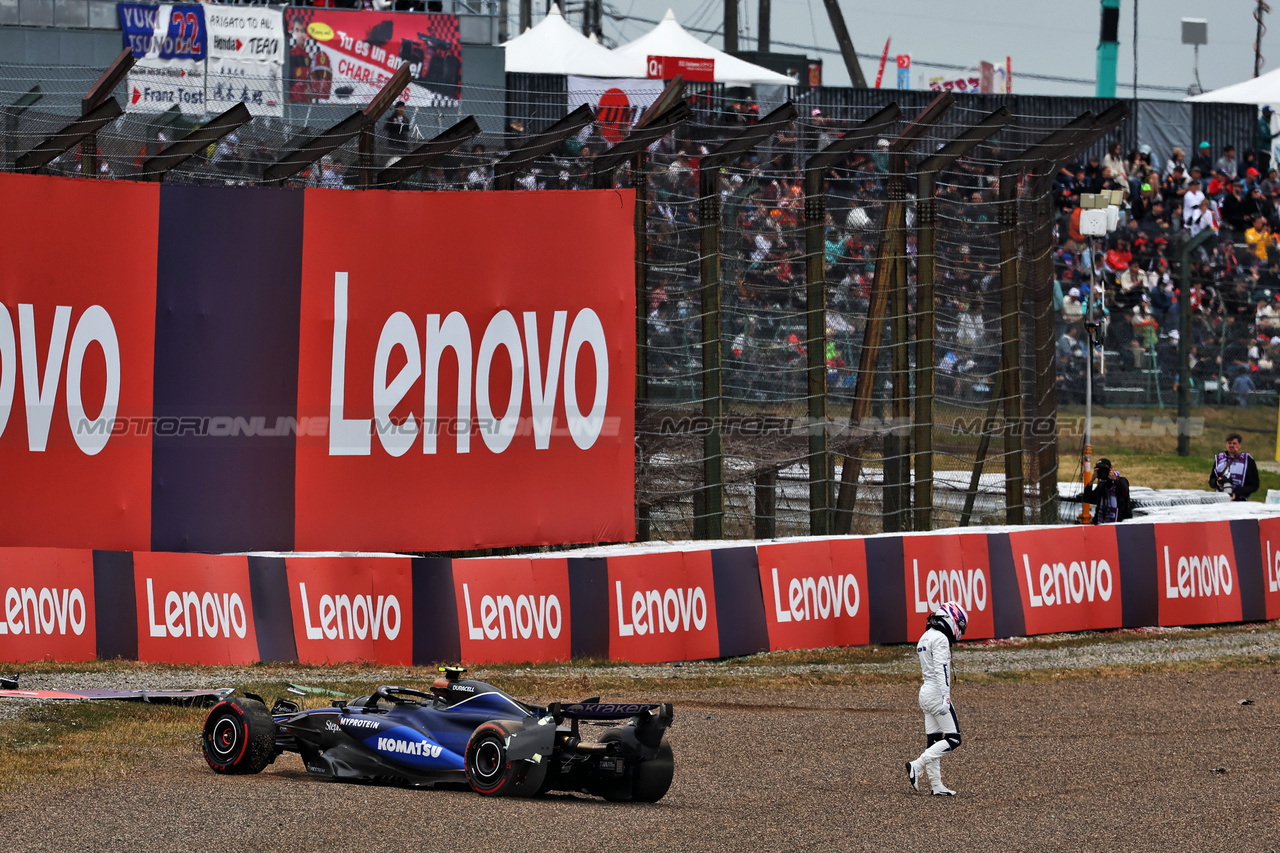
[(913, 775), (933, 768)]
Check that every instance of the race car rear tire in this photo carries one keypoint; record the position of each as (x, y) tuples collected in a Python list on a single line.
[(239, 737), (653, 777), (491, 771)]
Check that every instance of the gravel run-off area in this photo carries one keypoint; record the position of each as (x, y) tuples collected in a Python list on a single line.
[(1172, 760)]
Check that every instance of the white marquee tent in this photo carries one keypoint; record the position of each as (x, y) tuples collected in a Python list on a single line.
[(668, 38), (554, 47), (1263, 90)]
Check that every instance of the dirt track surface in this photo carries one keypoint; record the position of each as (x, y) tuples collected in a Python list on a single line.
[(1124, 763)]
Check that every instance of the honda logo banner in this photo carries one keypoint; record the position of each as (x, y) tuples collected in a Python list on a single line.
[(479, 392), (662, 607), (46, 605), (352, 608), (1196, 574), (815, 593), (513, 610), (955, 568), (194, 608), (1068, 578), (77, 339)]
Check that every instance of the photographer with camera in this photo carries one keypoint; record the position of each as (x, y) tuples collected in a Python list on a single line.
[(1110, 492), (1234, 471)]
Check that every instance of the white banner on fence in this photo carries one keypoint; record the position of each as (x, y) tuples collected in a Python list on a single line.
[(171, 72), (617, 103), (246, 59)]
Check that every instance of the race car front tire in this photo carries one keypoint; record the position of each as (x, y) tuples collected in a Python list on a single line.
[(490, 769), (239, 737)]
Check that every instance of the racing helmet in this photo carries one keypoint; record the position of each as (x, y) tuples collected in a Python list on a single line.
[(953, 616)]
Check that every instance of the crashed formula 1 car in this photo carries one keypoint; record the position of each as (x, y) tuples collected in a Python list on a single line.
[(462, 731)]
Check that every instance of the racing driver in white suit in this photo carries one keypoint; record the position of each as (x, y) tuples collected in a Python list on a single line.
[(945, 626)]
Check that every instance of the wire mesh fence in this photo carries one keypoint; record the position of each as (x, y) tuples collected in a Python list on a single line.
[(966, 422)]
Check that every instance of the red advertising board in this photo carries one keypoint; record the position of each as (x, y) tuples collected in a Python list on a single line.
[(955, 568), (694, 68), (1197, 582), (352, 609), (478, 392), (343, 57), (815, 593), (46, 605), (1269, 539), (1068, 578), (513, 610), (662, 607), (194, 608), (77, 336)]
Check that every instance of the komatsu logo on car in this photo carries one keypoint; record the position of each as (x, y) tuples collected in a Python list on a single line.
[(357, 723), (419, 748)]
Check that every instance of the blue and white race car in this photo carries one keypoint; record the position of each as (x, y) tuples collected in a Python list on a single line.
[(462, 731)]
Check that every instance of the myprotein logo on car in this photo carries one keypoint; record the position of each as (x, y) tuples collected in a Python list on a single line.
[(1068, 578), (513, 609), (354, 608), (1198, 582)]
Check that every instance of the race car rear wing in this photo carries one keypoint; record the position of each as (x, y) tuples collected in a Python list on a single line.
[(662, 712)]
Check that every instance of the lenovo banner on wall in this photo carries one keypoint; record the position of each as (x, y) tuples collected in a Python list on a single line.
[(296, 391), (480, 395), (815, 593), (345, 57), (352, 608), (76, 353), (1068, 578), (47, 609), (662, 607), (948, 568), (1196, 574), (1269, 539), (513, 610), (194, 607)]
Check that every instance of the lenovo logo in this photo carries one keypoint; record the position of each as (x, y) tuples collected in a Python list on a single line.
[(969, 587), (821, 598), (1197, 576), (1068, 583), (40, 387), (28, 610), (528, 616), (662, 611), (188, 613), (355, 617), (422, 355)]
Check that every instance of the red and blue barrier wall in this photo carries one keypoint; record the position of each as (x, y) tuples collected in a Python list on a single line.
[(645, 604)]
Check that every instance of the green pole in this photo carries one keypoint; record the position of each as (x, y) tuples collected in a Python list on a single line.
[(1108, 48)]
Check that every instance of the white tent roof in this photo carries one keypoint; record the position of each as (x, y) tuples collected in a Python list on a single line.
[(554, 47), (668, 38), (1263, 90)]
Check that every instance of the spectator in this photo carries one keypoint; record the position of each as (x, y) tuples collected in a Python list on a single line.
[(1263, 140), (1227, 163), (1175, 161), (1259, 236), (1203, 159), (397, 130)]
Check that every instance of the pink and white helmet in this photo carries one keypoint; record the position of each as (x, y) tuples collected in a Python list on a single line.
[(955, 618)]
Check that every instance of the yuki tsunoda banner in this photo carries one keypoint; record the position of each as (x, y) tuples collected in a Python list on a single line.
[(247, 374), (678, 603)]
